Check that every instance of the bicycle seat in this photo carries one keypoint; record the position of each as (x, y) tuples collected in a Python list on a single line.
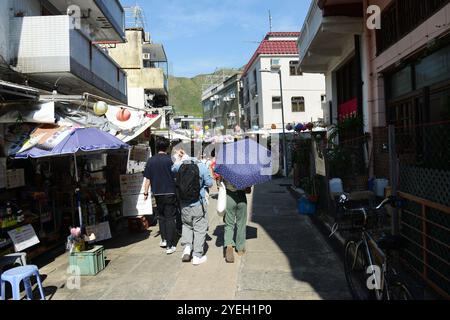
[(390, 242)]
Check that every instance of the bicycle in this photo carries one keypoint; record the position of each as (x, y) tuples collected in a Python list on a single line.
[(367, 262)]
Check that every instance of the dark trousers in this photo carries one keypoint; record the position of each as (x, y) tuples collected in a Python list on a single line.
[(167, 214)]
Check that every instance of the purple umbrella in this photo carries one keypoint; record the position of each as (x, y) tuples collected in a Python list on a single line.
[(82, 140), (244, 163), (79, 141)]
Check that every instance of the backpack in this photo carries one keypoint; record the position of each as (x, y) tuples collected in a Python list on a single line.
[(188, 182)]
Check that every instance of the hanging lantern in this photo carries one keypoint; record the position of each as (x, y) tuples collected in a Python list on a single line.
[(289, 127), (100, 108), (309, 126), (274, 127), (123, 115), (299, 127), (206, 128)]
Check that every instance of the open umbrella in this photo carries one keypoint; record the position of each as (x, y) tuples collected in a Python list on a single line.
[(78, 141), (244, 163)]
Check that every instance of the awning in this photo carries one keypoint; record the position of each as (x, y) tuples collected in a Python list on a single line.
[(30, 112), (16, 91), (128, 135)]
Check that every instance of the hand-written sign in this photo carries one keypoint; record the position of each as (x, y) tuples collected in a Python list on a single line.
[(23, 237), (101, 231), (132, 189)]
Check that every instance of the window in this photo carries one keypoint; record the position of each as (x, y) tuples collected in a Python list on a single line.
[(346, 81), (402, 17), (255, 78), (276, 102), (294, 68), (298, 104)]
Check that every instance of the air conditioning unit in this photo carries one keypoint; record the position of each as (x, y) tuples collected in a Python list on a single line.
[(233, 96), (147, 56)]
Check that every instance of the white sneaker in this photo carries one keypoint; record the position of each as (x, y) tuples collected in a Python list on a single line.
[(171, 250), (186, 256), (163, 244), (197, 261)]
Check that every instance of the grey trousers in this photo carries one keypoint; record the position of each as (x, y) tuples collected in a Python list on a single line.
[(195, 226)]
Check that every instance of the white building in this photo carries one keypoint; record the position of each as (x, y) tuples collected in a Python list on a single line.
[(303, 94), (52, 45)]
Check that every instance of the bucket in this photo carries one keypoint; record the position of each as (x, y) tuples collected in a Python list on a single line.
[(306, 207), (336, 186)]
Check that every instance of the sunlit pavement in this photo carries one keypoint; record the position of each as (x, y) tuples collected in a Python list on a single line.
[(287, 258)]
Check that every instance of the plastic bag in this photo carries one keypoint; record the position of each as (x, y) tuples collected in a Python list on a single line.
[(222, 200)]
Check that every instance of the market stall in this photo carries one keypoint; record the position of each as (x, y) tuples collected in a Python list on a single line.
[(48, 168)]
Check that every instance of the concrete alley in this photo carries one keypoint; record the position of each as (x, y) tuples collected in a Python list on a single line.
[(287, 258)]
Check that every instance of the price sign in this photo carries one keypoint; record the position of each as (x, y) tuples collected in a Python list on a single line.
[(23, 238)]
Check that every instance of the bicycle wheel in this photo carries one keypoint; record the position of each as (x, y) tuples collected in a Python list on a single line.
[(400, 291), (355, 265)]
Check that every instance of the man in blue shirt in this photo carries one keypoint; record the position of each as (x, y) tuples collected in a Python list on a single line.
[(194, 214)]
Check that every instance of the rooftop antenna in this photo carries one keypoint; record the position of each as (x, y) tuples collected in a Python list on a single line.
[(270, 21)]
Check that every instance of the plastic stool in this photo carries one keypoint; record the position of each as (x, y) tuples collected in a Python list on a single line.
[(15, 276)]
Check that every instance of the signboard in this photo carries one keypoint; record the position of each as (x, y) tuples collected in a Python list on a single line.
[(101, 231), (15, 178), (138, 158), (23, 238), (319, 160), (132, 189)]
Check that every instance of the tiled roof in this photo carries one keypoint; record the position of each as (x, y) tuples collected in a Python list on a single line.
[(283, 34), (275, 47)]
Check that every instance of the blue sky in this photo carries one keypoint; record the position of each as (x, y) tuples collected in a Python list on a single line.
[(202, 35)]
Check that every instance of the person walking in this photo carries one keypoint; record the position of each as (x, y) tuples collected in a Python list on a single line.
[(192, 179), (235, 216), (159, 177)]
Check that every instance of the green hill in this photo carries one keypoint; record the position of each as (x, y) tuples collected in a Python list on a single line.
[(185, 93)]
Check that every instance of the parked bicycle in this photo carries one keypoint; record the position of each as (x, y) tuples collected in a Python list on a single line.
[(368, 263)]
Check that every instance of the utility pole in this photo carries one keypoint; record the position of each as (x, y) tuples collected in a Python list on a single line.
[(270, 21)]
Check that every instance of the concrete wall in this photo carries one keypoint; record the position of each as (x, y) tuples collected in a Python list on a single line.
[(129, 55), (136, 97), (309, 86), (148, 78)]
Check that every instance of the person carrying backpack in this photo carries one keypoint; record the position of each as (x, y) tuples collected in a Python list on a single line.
[(192, 179)]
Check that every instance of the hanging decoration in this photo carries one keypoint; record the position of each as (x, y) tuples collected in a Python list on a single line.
[(100, 108), (123, 115)]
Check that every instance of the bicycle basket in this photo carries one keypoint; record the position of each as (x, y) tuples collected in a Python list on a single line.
[(352, 223)]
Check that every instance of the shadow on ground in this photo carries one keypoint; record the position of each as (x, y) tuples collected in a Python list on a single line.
[(311, 262)]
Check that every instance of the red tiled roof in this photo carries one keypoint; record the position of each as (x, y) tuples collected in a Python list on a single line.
[(275, 47), (283, 34)]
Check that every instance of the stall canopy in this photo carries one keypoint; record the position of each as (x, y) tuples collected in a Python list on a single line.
[(58, 141)]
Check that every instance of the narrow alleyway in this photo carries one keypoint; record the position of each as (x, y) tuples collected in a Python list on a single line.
[(287, 258)]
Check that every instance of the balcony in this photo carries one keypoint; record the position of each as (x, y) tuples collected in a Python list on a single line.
[(151, 79), (106, 17), (50, 52), (329, 27)]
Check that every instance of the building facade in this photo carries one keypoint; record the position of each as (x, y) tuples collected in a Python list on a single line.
[(303, 93), (146, 66), (222, 104), (41, 44), (392, 69)]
